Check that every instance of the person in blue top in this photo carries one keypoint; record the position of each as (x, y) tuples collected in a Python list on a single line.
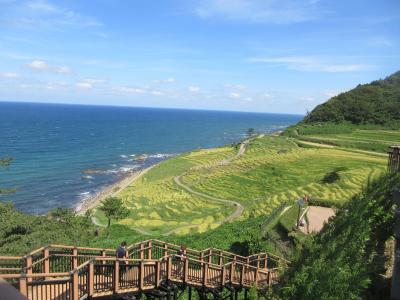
[(122, 253)]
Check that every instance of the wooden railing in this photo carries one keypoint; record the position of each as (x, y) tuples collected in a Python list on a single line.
[(65, 272), (394, 159)]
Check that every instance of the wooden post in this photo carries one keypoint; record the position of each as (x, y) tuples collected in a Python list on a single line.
[(158, 273), (74, 258), (205, 274), (221, 258), (141, 275), (91, 279), (256, 277), (202, 256), (149, 251), (258, 261), (165, 250), (210, 256), (28, 264), (266, 261), (23, 287), (169, 267), (103, 254), (141, 254), (233, 266), (269, 278), (46, 260), (223, 274), (75, 285), (242, 275), (186, 270), (116, 276)]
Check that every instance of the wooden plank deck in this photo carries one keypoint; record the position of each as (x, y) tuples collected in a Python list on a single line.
[(53, 272)]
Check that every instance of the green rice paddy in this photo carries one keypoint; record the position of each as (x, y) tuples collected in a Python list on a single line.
[(271, 171)]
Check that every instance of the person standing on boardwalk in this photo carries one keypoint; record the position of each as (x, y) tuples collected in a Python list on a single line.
[(121, 253), (180, 257)]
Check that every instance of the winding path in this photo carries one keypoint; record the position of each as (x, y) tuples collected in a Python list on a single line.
[(236, 214), (239, 207)]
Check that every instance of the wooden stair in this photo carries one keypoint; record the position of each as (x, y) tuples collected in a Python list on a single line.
[(67, 272)]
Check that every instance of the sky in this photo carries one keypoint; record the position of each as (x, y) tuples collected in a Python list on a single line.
[(280, 56)]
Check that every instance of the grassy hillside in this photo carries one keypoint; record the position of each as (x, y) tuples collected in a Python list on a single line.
[(346, 259), (375, 103), (272, 170)]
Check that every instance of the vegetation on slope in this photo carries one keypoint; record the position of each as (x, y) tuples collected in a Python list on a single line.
[(20, 232), (375, 103), (346, 258), (273, 170)]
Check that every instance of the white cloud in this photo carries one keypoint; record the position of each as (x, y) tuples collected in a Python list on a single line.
[(88, 83), (40, 65), (380, 41), (84, 85), (308, 63), (267, 96), (234, 95), (308, 99), (248, 99), (168, 80), (41, 13), (258, 11), (9, 75), (156, 93), (129, 90), (94, 81), (194, 89), (235, 86)]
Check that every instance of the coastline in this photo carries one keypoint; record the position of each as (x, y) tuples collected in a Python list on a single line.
[(110, 190), (120, 185)]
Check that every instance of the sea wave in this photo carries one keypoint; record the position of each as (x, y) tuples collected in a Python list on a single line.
[(161, 155)]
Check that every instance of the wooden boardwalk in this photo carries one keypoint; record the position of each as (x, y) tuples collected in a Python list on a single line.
[(65, 272)]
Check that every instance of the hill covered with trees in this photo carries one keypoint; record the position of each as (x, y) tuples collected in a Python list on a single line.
[(375, 103)]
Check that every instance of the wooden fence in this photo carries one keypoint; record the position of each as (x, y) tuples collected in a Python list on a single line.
[(65, 272)]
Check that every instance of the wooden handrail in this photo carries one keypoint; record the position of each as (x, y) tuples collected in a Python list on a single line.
[(11, 257), (79, 248), (34, 275)]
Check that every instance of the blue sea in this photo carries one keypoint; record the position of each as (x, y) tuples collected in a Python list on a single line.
[(52, 145)]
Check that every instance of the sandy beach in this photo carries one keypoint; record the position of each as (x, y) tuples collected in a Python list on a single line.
[(110, 190)]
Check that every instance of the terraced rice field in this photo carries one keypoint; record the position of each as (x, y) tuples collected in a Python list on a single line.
[(159, 206), (271, 171), (375, 140), (275, 170)]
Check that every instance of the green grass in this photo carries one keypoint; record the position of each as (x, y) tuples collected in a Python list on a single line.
[(272, 171)]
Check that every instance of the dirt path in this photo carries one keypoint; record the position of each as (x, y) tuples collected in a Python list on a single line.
[(317, 216), (239, 207), (321, 145), (119, 186)]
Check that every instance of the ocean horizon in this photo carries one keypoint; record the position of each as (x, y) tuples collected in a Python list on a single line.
[(65, 153)]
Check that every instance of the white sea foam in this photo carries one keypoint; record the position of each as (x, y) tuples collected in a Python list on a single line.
[(161, 155), (123, 156)]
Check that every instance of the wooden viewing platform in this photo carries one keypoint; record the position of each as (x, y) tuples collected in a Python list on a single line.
[(67, 272)]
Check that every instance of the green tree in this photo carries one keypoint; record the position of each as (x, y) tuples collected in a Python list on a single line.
[(250, 132), (113, 208)]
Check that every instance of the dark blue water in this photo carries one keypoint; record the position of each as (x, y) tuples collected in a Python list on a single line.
[(52, 144)]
